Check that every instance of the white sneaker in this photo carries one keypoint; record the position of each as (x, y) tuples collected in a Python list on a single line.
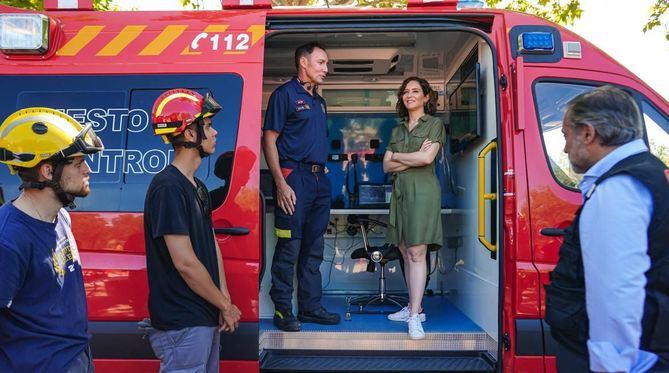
[(415, 328), (403, 315)]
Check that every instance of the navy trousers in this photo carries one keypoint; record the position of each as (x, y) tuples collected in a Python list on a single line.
[(300, 241)]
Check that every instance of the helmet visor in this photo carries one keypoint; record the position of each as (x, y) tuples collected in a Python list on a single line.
[(86, 142), (209, 106)]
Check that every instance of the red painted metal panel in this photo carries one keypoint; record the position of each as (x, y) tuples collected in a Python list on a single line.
[(444, 4), (524, 364), (77, 4), (147, 42), (126, 366), (526, 294), (553, 205), (152, 366), (550, 364), (112, 244), (249, 4)]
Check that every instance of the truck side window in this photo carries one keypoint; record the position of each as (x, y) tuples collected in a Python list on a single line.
[(657, 130), (551, 99)]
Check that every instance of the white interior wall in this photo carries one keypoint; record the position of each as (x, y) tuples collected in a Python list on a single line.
[(476, 280)]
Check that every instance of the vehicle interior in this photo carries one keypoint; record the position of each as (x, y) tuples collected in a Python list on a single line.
[(461, 299)]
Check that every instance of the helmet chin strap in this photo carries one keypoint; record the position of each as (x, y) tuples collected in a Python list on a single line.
[(65, 198), (197, 144), (200, 137)]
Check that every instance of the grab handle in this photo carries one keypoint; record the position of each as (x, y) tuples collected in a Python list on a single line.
[(483, 196)]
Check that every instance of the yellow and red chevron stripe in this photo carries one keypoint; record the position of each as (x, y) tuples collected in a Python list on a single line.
[(163, 40), (80, 40), (87, 36)]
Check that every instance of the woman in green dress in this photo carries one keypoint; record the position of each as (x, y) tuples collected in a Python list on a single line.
[(415, 206)]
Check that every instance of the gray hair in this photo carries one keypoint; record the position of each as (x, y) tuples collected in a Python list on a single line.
[(611, 111)]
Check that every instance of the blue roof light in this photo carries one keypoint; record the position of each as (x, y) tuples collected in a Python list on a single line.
[(536, 43)]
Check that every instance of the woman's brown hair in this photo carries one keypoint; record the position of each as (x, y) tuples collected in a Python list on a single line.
[(430, 105)]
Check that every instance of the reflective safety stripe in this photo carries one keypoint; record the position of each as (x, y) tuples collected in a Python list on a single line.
[(282, 233), (164, 40), (162, 131), (80, 40), (122, 40)]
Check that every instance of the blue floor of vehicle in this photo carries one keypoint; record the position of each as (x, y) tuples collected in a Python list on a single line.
[(442, 317)]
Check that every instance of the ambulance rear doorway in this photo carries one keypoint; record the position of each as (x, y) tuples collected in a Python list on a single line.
[(462, 296)]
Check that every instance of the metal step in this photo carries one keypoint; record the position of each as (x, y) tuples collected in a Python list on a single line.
[(376, 341), (302, 361)]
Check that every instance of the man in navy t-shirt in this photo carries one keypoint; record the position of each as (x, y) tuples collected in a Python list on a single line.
[(295, 147), (43, 318), (189, 302)]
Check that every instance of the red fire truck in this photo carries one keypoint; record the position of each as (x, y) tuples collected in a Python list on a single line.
[(503, 79)]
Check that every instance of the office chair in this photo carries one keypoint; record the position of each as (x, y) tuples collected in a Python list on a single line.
[(374, 254)]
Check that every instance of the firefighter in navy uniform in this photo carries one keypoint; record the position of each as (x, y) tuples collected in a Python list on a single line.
[(295, 146), (608, 300)]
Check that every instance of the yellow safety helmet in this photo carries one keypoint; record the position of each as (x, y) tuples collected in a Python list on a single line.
[(35, 134)]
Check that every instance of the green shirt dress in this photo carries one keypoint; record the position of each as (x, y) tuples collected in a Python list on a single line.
[(415, 204)]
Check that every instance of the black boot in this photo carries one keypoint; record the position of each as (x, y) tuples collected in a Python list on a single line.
[(284, 320), (319, 316)]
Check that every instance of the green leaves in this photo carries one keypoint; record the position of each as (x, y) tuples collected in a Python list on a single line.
[(39, 4), (656, 12), (564, 12), (26, 4), (559, 11), (356, 3)]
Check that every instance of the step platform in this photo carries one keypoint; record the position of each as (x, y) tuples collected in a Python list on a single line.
[(372, 343)]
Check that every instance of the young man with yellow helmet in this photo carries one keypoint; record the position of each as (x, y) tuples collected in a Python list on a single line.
[(43, 316), (189, 302)]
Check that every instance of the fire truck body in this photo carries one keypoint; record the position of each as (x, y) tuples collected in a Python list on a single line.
[(503, 80)]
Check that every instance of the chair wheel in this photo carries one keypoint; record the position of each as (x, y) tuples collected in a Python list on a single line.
[(347, 316)]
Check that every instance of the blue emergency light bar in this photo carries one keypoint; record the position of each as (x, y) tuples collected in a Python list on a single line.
[(536, 43)]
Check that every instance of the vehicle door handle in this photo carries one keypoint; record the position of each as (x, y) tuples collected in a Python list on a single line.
[(233, 231), (552, 232)]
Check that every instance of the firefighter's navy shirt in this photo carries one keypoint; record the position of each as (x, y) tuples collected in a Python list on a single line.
[(301, 121), (172, 208), (43, 317)]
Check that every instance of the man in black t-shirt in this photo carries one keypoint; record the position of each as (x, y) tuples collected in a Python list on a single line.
[(189, 302)]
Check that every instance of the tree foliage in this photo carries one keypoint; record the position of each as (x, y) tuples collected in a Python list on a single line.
[(558, 11), (657, 11), (39, 4), (562, 12), (194, 4)]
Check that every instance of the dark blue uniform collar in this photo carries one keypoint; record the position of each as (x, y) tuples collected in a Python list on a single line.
[(299, 88)]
